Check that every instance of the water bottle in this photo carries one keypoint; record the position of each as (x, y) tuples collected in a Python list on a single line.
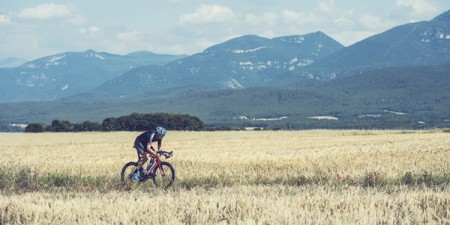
[(149, 165)]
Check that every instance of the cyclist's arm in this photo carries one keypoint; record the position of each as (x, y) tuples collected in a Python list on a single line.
[(159, 145), (150, 149)]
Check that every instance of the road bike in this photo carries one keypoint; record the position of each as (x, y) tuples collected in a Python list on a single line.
[(160, 172)]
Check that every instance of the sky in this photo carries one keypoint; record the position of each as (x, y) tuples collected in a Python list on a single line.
[(31, 29)]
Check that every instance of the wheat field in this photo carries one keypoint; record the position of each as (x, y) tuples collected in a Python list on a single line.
[(233, 177)]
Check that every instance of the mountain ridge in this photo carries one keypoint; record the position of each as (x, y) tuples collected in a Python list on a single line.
[(245, 61), (419, 43), (68, 73)]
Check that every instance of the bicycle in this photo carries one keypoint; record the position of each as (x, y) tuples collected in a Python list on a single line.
[(163, 173)]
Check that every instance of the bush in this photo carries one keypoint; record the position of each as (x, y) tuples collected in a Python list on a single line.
[(61, 126), (408, 179), (35, 128)]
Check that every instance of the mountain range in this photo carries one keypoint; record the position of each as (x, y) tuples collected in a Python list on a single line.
[(400, 75), (69, 73), (247, 61), (420, 43)]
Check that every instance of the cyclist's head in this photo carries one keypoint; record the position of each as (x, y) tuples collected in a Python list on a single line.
[(160, 132)]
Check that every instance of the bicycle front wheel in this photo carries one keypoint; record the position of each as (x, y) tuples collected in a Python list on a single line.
[(164, 175), (126, 176)]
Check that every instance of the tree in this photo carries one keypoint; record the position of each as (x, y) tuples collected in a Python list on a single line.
[(110, 124), (88, 126), (61, 126), (133, 122), (142, 122), (35, 128)]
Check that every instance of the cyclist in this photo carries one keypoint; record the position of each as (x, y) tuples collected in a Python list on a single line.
[(144, 145)]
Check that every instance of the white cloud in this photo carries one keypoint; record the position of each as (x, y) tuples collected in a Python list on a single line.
[(326, 7), (4, 19), (301, 18), (130, 36), (291, 16), (208, 14), (78, 20), (371, 22), (89, 30), (265, 19), (346, 19), (45, 11), (416, 7)]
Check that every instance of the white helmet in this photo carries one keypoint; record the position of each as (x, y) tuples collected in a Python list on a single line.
[(161, 131)]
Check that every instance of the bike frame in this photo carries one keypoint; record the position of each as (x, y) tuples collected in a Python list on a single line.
[(156, 163)]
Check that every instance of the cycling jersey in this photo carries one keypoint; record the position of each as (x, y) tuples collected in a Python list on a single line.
[(146, 138)]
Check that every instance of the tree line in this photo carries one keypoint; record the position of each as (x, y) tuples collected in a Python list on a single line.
[(133, 122)]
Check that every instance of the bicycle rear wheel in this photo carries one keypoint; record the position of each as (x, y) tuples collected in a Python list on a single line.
[(126, 177), (164, 176)]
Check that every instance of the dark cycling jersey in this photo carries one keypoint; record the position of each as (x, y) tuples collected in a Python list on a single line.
[(146, 138)]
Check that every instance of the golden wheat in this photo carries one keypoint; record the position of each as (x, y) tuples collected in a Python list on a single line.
[(256, 166)]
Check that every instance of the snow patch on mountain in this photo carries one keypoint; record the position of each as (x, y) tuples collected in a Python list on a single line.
[(253, 66), (55, 60), (194, 69), (32, 80), (323, 117), (290, 65), (305, 62), (240, 51), (394, 112), (232, 83), (31, 65), (428, 36), (260, 119), (298, 40), (92, 54), (100, 57), (370, 116)]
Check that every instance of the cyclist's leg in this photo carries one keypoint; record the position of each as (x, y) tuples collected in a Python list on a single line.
[(142, 156)]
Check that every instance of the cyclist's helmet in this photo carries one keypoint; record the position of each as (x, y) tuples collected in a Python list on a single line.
[(161, 131)]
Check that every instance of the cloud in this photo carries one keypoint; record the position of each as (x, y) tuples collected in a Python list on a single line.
[(45, 11), (265, 19), (78, 20), (326, 7), (4, 19), (301, 17), (89, 30), (130, 36), (416, 7), (208, 14), (371, 22)]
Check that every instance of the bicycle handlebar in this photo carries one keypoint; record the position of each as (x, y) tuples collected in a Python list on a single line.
[(165, 154)]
